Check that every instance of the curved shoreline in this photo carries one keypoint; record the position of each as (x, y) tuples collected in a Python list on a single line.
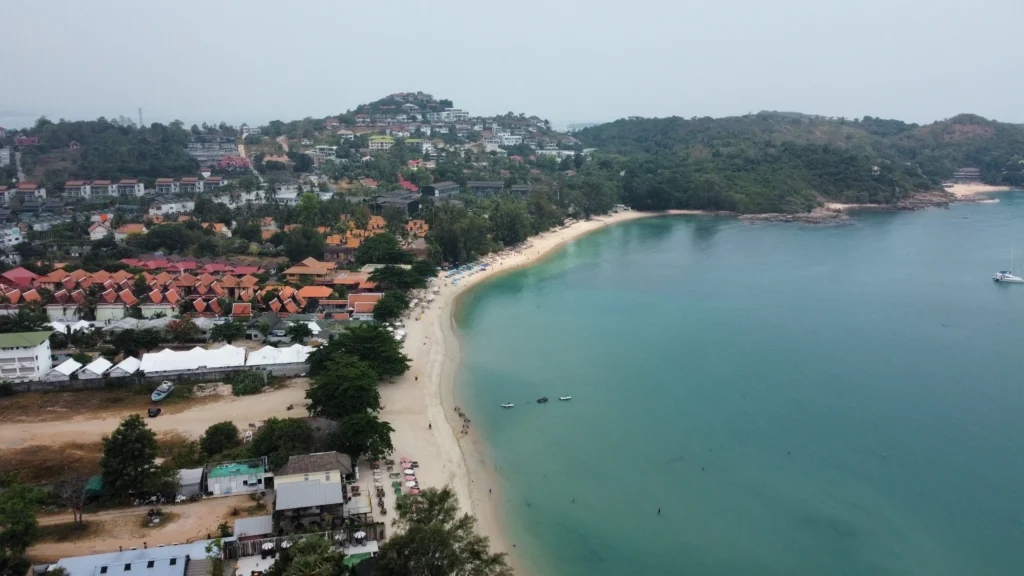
[(479, 472)]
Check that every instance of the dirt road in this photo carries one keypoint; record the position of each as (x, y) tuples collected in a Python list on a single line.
[(123, 527), (191, 422)]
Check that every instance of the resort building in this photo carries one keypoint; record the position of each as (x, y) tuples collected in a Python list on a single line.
[(237, 477), (25, 356)]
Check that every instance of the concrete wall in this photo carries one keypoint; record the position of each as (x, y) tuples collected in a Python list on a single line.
[(283, 370)]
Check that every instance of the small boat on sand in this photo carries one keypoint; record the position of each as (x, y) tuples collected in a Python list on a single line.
[(162, 391), (543, 400), (509, 405), (565, 397)]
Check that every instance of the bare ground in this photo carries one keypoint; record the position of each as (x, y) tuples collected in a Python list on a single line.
[(84, 417), (123, 527)]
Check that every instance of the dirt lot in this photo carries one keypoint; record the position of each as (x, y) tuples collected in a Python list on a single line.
[(123, 527), (58, 419)]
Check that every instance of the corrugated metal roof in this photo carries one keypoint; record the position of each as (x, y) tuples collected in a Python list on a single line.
[(254, 526), (24, 339), (116, 561), (291, 495), (68, 367), (129, 365), (187, 476)]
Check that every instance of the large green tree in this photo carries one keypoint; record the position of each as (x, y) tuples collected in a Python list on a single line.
[(391, 306), (391, 277), (228, 332), (362, 435), (381, 248), (19, 529), (303, 242), (219, 437), (370, 342), (312, 555), (129, 458), (346, 387), (280, 438), (433, 537)]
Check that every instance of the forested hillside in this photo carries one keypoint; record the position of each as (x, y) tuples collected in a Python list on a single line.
[(786, 162), (108, 149)]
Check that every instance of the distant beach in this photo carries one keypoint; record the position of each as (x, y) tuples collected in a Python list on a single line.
[(973, 190)]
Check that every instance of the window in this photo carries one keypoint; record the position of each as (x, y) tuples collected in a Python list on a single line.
[(151, 563), (128, 567), (259, 480), (174, 561), (245, 482), (327, 476), (103, 569)]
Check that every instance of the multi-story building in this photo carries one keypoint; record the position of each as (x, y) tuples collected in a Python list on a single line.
[(5, 156), (511, 140), (454, 115), (208, 149), (130, 187), (441, 189), (166, 186), (381, 143), (190, 186), (31, 190), (321, 154), (9, 236), (171, 207), (77, 189), (25, 356), (479, 188), (103, 188), (212, 183)]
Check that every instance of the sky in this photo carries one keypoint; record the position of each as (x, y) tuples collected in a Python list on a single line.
[(564, 60)]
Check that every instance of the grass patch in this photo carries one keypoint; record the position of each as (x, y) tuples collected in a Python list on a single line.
[(67, 532)]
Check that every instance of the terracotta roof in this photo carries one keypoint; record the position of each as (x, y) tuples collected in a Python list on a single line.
[(127, 297), (275, 305), (156, 297), (241, 309), (131, 229), (199, 305), (290, 306), (229, 281), (215, 306), (78, 296), (315, 292), (248, 281)]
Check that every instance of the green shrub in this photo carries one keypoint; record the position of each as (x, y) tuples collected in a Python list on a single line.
[(6, 389), (246, 383)]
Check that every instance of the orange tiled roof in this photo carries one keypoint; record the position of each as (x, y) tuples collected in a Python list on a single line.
[(315, 292)]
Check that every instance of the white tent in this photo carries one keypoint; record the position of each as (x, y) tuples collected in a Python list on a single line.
[(126, 367), (170, 361), (62, 372), (294, 354), (95, 369), (63, 327)]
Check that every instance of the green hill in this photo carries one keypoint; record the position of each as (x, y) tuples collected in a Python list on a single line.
[(788, 162)]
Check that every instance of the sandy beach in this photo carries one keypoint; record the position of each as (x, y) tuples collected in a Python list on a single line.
[(421, 404), (972, 190)]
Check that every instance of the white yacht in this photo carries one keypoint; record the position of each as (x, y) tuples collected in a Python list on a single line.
[(1005, 276)]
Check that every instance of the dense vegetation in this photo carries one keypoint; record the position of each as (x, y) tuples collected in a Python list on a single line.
[(778, 162), (109, 150)]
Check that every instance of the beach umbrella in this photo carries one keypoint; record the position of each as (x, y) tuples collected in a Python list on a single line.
[(410, 477), (414, 491), (286, 544), (410, 471), (268, 546), (360, 534), (410, 483)]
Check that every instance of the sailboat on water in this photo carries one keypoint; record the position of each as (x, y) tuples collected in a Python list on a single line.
[(1006, 275)]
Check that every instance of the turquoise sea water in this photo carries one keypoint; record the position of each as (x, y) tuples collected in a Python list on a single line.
[(797, 400)]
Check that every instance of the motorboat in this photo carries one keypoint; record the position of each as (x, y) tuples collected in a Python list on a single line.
[(542, 400), (162, 391), (509, 405), (565, 397), (1006, 276)]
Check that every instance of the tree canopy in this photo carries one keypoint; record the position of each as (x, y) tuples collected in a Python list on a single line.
[(369, 342), (129, 458), (433, 537), (219, 437), (280, 438), (346, 387)]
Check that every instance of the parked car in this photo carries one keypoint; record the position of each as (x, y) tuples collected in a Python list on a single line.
[(154, 412)]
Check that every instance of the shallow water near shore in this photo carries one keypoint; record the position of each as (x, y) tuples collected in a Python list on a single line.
[(796, 399)]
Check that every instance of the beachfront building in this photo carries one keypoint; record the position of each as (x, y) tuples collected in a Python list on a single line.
[(170, 560), (25, 356), (229, 478), (63, 372), (309, 489)]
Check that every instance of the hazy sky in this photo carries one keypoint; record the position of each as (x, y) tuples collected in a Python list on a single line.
[(565, 60)]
